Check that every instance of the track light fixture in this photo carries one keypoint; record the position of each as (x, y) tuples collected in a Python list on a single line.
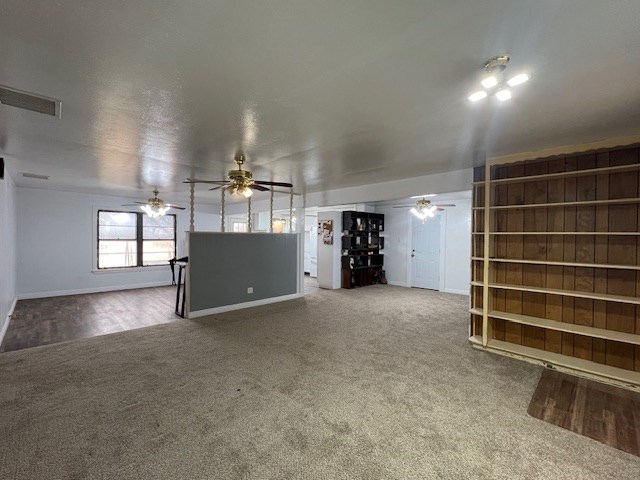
[(493, 83)]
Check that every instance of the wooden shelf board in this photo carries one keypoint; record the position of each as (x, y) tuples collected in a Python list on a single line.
[(615, 201), (562, 264), (475, 311), (572, 173), (475, 284), (567, 293), (563, 233), (475, 339), (567, 327), (627, 377)]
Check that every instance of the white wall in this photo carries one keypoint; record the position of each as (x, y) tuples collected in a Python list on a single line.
[(205, 219), (329, 255), (56, 244), (8, 255), (55, 232), (455, 250), (397, 244), (311, 245)]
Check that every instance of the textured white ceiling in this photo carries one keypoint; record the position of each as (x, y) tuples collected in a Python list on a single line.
[(325, 94)]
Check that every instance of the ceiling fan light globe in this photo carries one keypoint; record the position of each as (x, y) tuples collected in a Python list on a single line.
[(154, 211), (489, 82), (247, 192), (418, 214), (479, 95), (503, 95), (518, 80)]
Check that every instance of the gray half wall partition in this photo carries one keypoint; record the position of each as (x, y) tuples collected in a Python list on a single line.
[(223, 265)]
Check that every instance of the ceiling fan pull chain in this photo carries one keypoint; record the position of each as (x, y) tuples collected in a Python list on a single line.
[(249, 214), (192, 200), (222, 211)]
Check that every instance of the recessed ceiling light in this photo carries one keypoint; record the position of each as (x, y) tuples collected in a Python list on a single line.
[(518, 79), (474, 97), (503, 95), (489, 82)]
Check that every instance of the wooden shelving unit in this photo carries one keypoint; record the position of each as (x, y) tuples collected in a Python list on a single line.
[(362, 242), (556, 262)]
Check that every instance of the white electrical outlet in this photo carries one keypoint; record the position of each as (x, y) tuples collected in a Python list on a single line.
[(249, 289)]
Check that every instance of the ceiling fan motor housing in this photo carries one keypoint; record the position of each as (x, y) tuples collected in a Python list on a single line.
[(155, 202), (241, 177)]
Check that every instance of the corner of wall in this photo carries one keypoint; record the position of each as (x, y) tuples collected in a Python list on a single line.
[(8, 242)]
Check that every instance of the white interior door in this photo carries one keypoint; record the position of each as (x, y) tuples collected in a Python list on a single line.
[(425, 256)]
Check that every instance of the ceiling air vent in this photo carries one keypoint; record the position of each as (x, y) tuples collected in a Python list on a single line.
[(35, 175), (30, 101)]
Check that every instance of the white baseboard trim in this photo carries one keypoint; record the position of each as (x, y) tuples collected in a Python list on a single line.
[(80, 291), (457, 292), (399, 284), (240, 306), (7, 319)]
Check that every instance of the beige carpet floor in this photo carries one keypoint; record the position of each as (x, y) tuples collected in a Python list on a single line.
[(374, 383)]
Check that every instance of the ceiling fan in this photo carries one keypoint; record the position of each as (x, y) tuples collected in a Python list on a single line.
[(241, 182), (155, 207), (424, 209)]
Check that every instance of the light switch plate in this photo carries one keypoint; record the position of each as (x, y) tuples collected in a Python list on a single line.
[(249, 289)]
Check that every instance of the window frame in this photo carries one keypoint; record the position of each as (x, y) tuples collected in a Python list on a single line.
[(139, 240)]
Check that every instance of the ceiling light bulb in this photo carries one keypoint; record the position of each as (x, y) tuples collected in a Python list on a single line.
[(518, 79), (489, 82), (419, 214), (479, 95), (247, 192), (503, 95), (148, 210)]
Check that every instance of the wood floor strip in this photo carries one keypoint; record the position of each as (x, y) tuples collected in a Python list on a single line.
[(44, 321), (607, 414)]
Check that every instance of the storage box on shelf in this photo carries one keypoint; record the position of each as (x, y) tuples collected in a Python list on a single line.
[(362, 260), (556, 262)]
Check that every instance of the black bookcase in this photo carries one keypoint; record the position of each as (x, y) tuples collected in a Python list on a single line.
[(362, 260)]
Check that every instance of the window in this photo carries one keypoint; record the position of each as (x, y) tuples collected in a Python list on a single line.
[(240, 227), (132, 239)]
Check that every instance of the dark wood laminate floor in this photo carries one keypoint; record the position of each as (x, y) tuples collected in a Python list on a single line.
[(602, 412), (44, 321)]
